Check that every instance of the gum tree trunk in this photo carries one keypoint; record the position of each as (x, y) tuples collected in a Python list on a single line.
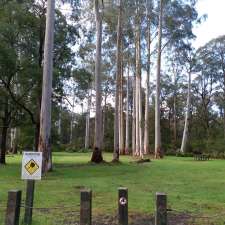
[(14, 140), (139, 142), (45, 116), (175, 112), (118, 75), (87, 129), (121, 115), (72, 119), (104, 121), (146, 126), (158, 147), (187, 118), (97, 152), (134, 119), (127, 145)]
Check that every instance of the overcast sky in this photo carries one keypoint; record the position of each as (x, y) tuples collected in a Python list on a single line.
[(214, 26)]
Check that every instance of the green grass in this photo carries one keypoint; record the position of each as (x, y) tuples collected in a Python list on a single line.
[(197, 187)]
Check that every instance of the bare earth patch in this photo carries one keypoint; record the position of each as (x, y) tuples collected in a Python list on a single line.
[(142, 219), (136, 219)]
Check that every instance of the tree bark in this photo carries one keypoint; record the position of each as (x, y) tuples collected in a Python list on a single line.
[(37, 126), (146, 126), (140, 119), (118, 75), (45, 116), (97, 152), (158, 147), (223, 100), (72, 120), (175, 112), (60, 123), (127, 145), (104, 120), (137, 102), (5, 123), (139, 139), (134, 118), (137, 146), (14, 140), (187, 118), (121, 115), (87, 130), (3, 145)]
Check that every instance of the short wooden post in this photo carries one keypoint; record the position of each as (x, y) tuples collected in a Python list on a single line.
[(123, 206), (29, 202), (13, 208), (161, 209), (85, 207)]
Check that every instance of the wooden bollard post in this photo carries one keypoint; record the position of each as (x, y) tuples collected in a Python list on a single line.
[(161, 209), (13, 208), (29, 202), (85, 207), (123, 206)]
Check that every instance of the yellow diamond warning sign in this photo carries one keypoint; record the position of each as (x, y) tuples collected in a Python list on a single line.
[(31, 167)]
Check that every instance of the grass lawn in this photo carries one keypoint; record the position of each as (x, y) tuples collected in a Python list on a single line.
[(193, 186)]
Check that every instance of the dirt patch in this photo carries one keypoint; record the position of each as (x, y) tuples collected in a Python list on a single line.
[(142, 219), (143, 161), (134, 219)]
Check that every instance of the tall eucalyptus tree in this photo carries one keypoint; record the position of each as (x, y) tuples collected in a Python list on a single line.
[(97, 152), (46, 102), (158, 147), (118, 83)]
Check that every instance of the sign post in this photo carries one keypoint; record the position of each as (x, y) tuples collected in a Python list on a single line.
[(31, 171), (123, 206)]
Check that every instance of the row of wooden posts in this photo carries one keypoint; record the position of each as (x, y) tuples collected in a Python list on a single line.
[(14, 205)]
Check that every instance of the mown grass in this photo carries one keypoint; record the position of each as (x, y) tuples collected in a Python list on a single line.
[(197, 187)]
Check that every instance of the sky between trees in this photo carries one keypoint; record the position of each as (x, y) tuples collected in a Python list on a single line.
[(213, 26)]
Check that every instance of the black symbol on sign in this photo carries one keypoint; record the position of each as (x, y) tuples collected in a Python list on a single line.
[(123, 201), (31, 167)]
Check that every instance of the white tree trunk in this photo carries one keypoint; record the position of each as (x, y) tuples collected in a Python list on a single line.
[(72, 120), (45, 116), (146, 126), (127, 145), (175, 111), (87, 129), (158, 148), (137, 148), (187, 118), (140, 121), (139, 140), (59, 130), (121, 116), (14, 139), (134, 119), (118, 74), (97, 153), (104, 119)]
